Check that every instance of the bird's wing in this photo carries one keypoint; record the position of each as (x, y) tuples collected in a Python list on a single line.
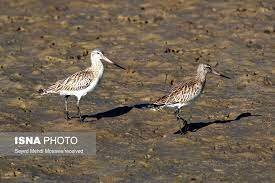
[(77, 81), (179, 90)]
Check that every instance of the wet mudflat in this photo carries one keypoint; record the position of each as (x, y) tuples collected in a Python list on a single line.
[(231, 136)]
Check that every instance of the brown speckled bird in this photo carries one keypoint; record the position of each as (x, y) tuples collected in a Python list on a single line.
[(80, 83), (186, 92)]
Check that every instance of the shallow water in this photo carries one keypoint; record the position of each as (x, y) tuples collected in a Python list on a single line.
[(160, 43)]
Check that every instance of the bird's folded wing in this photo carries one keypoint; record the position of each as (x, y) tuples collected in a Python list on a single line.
[(77, 81), (176, 92), (184, 86)]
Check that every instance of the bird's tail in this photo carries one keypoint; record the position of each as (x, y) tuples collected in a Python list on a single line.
[(43, 91)]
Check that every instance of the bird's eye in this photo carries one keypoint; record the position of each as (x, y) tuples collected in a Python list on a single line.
[(208, 68), (97, 52)]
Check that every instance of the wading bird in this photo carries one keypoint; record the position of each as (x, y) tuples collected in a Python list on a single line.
[(186, 92), (80, 83)]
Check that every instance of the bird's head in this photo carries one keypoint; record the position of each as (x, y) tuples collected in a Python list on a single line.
[(97, 54), (206, 68)]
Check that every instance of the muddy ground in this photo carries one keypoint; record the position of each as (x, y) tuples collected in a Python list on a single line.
[(231, 135)]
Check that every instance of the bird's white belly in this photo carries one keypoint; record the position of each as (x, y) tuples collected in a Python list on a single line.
[(91, 87), (187, 102), (88, 89), (176, 105), (83, 92)]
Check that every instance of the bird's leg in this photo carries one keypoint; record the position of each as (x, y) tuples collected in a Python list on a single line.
[(189, 117), (183, 122), (178, 118), (66, 108), (78, 110)]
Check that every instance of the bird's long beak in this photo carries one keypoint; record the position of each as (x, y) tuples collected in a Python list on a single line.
[(111, 62), (219, 74)]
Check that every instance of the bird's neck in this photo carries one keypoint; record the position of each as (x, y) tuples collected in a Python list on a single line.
[(201, 77), (96, 64)]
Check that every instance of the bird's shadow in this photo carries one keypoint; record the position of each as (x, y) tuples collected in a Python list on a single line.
[(118, 111), (193, 127)]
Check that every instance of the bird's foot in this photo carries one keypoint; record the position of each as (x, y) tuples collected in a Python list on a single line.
[(67, 117), (81, 119), (180, 118), (183, 125), (184, 129)]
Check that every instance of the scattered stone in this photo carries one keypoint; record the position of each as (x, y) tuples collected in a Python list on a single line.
[(256, 73), (34, 178), (269, 30), (158, 19), (147, 156), (167, 50), (172, 82), (20, 29), (16, 173), (267, 81), (241, 9), (85, 53), (78, 57), (56, 17)]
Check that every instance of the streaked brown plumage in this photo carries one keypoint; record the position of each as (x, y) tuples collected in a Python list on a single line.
[(77, 81), (186, 92), (181, 93), (80, 83)]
